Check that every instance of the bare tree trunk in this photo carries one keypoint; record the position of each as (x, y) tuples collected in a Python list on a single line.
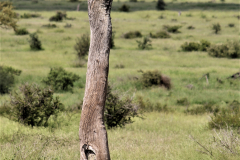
[(92, 132)]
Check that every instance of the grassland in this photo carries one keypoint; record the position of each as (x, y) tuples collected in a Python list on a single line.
[(158, 135)]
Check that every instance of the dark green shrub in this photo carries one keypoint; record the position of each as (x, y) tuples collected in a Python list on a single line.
[(73, 0), (196, 46), (112, 40), (145, 44), (132, 34), (155, 78), (160, 34), (183, 102), (216, 27), (30, 15), (190, 46), (191, 27), (59, 16), (82, 46), (172, 29), (206, 108), (132, 0), (231, 25), (60, 79), (227, 117), (231, 49), (33, 105), (119, 112), (7, 78), (124, 8), (50, 25), (21, 31), (35, 43), (161, 17), (119, 66), (160, 5)]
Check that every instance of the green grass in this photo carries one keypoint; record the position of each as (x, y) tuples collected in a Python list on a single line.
[(159, 135)]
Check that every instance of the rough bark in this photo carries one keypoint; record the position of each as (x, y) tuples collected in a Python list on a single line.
[(92, 132)]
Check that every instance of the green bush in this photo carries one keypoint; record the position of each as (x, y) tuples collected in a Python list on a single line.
[(231, 25), (160, 34), (191, 27), (7, 78), (172, 29), (118, 112), (33, 105), (145, 44), (216, 27), (132, 34), (35, 43), (227, 117), (183, 102), (73, 0), (160, 5), (155, 78), (30, 15), (82, 46), (21, 31), (50, 25), (58, 17), (124, 8), (196, 46), (60, 79), (206, 108), (132, 0), (119, 66), (231, 49)]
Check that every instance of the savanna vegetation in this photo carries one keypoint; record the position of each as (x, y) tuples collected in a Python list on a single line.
[(174, 79)]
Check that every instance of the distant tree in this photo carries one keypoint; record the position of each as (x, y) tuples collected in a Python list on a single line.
[(8, 18), (161, 5)]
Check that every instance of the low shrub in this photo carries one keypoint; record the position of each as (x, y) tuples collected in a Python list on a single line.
[(82, 46), (30, 15), (119, 66), (58, 17), (191, 27), (160, 5), (172, 29), (231, 25), (35, 43), (73, 0), (132, 34), (155, 78), (161, 17), (230, 49), (50, 25), (183, 102), (227, 117), (132, 0), (160, 34), (206, 108), (119, 112), (145, 44), (124, 8), (7, 78), (216, 27), (196, 46), (68, 25), (21, 31), (33, 105), (60, 79)]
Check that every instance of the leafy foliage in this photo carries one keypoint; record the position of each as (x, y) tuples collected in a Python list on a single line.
[(30, 15), (145, 44), (227, 117), (33, 105), (124, 8), (7, 78), (132, 34), (21, 31), (190, 27), (231, 25), (196, 46), (8, 18), (82, 46), (50, 25), (172, 29), (119, 112), (216, 27), (59, 16), (160, 34), (60, 79), (153, 78), (230, 49), (35, 43), (160, 5)]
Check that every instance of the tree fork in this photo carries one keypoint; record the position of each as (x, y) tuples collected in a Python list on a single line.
[(92, 131)]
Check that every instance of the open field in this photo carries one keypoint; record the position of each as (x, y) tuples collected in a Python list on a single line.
[(158, 135)]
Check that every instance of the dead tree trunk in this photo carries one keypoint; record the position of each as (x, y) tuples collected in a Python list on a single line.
[(92, 132)]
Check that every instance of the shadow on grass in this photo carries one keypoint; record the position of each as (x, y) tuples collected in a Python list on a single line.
[(134, 6)]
